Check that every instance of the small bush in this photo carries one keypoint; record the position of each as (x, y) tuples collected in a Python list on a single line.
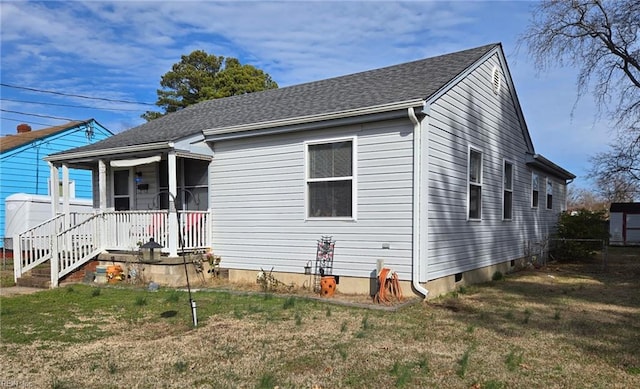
[(497, 276), (582, 224)]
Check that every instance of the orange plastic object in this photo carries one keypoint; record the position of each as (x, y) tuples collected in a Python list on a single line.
[(327, 286)]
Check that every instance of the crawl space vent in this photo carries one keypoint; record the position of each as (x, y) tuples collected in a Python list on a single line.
[(496, 80)]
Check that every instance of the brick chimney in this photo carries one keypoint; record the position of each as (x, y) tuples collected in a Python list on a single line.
[(22, 128)]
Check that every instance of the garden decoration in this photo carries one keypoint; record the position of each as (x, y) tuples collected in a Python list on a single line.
[(269, 282), (324, 281), (214, 263), (114, 273)]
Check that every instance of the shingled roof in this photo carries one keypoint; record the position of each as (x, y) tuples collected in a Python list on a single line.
[(12, 141), (399, 83)]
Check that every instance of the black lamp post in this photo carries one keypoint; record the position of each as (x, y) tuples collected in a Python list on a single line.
[(148, 253)]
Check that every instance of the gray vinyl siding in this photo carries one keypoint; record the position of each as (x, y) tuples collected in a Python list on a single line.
[(470, 114), (258, 202)]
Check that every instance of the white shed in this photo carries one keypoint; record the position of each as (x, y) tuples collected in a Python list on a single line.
[(624, 224), (24, 211)]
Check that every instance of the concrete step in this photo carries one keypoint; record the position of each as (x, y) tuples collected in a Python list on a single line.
[(43, 270), (38, 277), (34, 282)]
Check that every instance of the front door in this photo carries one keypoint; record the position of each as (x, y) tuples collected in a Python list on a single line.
[(121, 190)]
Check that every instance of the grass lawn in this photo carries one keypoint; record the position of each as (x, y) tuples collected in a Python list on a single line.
[(563, 326)]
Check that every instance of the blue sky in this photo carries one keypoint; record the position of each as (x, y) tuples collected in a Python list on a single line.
[(119, 50)]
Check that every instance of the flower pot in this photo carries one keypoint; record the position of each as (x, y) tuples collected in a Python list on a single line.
[(327, 286)]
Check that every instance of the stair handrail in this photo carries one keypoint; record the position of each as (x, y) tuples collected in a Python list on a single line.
[(75, 246), (33, 246)]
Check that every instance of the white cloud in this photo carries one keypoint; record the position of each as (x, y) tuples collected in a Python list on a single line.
[(120, 49)]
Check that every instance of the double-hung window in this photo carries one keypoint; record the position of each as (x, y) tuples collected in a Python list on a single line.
[(549, 194), (475, 184), (507, 191), (330, 179), (535, 185)]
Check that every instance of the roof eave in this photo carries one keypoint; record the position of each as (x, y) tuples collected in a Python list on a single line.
[(298, 122), (61, 157), (542, 163)]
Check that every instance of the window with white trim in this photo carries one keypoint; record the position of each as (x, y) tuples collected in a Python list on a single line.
[(475, 184), (330, 179), (507, 191), (549, 194), (535, 188)]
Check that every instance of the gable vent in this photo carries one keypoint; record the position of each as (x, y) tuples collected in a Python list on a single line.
[(496, 80)]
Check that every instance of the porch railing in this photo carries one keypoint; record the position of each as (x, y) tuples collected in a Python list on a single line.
[(128, 230), (34, 246), (90, 234)]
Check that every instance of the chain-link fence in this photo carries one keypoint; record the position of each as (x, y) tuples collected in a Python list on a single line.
[(539, 253)]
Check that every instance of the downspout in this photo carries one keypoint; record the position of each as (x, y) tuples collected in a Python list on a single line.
[(417, 189)]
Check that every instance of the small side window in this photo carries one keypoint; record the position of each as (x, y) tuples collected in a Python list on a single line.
[(507, 191), (475, 184), (534, 189)]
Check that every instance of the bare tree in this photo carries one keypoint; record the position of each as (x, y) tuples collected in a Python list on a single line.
[(601, 40), (580, 198), (617, 171)]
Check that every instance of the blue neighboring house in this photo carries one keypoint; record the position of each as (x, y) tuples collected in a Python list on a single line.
[(23, 169)]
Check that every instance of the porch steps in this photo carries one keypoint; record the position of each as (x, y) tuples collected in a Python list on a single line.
[(38, 277)]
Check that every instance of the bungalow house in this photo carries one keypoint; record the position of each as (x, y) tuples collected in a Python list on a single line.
[(23, 169), (426, 166)]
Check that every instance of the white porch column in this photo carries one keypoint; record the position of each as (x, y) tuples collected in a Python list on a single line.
[(173, 195), (55, 184), (102, 185), (55, 200), (66, 207)]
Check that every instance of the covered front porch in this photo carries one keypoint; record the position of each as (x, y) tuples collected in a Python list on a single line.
[(160, 194)]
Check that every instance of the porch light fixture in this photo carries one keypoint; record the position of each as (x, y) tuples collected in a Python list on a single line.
[(148, 250)]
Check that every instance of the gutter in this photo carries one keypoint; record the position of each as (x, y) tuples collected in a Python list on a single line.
[(417, 189), (543, 163)]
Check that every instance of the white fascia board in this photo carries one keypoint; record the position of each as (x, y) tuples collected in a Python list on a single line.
[(107, 152), (314, 118)]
